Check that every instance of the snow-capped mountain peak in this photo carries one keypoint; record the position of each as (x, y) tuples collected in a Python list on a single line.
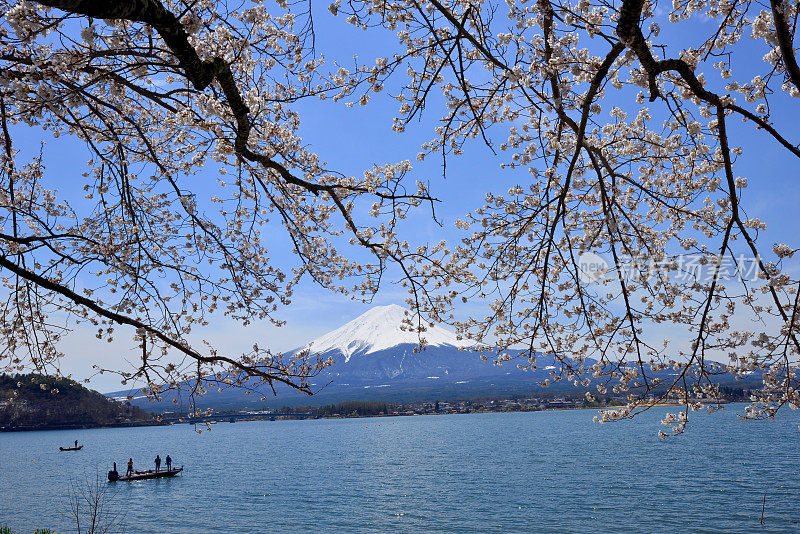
[(381, 328)]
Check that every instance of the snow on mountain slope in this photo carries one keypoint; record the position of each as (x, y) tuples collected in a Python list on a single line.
[(381, 328)]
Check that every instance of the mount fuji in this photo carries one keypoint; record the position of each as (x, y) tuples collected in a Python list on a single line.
[(377, 356), (381, 328), (383, 344)]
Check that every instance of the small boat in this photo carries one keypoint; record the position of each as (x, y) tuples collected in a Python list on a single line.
[(113, 476), (79, 447)]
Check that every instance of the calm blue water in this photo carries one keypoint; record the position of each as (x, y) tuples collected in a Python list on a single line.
[(523, 472)]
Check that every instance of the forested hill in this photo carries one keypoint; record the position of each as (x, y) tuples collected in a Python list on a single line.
[(29, 402)]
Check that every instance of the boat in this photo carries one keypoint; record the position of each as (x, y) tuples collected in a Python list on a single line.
[(113, 476), (79, 447)]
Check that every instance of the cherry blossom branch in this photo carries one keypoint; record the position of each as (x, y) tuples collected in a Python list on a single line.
[(785, 42)]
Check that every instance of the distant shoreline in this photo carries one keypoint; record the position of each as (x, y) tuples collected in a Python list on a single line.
[(221, 418), (226, 418)]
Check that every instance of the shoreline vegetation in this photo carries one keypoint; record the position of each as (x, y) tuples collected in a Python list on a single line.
[(75, 407), (38, 402)]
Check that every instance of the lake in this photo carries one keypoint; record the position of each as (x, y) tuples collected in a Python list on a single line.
[(517, 472)]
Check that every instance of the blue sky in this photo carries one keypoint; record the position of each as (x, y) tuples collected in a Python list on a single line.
[(353, 139)]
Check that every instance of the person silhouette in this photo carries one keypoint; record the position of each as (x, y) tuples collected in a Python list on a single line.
[(130, 467), (113, 476), (169, 462), (158, 462)]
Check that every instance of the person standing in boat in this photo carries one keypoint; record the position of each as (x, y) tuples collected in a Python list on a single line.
[(169, 463), (76, 443), (130, 467), (158, 462)]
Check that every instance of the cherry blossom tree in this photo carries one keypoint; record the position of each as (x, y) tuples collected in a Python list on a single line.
[(616, 137)]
